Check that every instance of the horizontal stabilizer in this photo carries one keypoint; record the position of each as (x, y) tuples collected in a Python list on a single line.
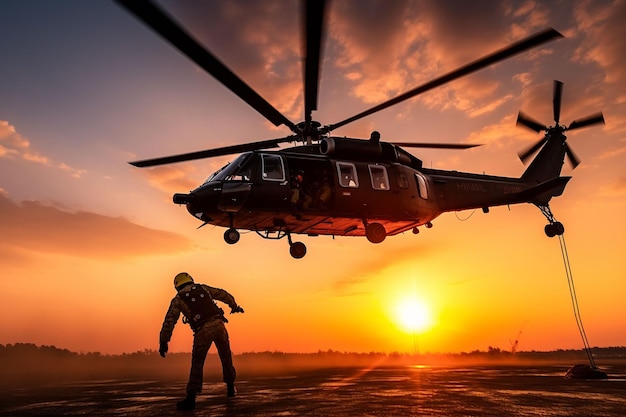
[(543, 192)]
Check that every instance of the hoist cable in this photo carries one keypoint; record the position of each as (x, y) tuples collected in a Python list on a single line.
[(572, 290)]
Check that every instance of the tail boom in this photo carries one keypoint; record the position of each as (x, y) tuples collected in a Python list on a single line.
[(462, 191)]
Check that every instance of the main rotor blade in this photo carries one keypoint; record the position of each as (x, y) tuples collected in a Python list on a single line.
[(531, 150), (165, 26), (556, 100), (587, 121), (525, 120), (573, 159), (314, 21), (209, 153), (436, 145), (507, 52)]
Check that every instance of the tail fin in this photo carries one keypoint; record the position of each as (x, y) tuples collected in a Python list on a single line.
[(548, 163), (542, 193)]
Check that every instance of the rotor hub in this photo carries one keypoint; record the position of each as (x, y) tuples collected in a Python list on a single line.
[(309, 131), (556, 132)]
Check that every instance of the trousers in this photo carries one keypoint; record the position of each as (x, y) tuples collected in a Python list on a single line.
[(211, 332)]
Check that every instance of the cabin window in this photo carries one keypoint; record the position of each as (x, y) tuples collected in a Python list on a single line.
[(378, 175), (347, 175), (273, 168), (422, 187), (403, 180)]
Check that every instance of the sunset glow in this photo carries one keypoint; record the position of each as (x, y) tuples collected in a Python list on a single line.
[(414, 315), (89, 244)]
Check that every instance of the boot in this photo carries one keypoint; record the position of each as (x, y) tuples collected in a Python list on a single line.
[(188, 403), (231, 391)]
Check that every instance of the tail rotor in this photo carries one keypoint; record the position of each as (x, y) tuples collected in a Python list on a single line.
[(555, 132)]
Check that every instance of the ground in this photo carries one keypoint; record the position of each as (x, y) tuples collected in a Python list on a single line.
[(383, 391)]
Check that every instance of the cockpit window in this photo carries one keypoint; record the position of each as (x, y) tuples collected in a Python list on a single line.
[(214, 175), (378, 175), (237, 170), (273, 168), (347, 175)]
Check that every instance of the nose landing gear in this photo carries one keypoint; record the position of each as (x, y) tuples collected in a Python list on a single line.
[(231, 235)]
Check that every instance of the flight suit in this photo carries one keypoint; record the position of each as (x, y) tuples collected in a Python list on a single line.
[(211, 330)]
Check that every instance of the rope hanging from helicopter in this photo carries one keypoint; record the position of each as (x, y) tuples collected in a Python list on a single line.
[(456, 213), (572, 290)]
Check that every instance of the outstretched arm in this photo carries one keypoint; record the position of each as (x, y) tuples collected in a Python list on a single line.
[(225, 297)]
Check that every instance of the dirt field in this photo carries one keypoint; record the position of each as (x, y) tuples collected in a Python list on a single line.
[(384, 391)]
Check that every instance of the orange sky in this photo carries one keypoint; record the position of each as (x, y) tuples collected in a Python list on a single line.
[(90, 245)]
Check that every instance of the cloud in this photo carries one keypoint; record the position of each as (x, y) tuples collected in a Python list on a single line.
[(381, 48), (372, 42), (14, 145), (490, 107), (385, 49), (616, 188), (35, 227), (259, 41), (172, 178), (11, 142), (502, 133), (602, 26), (619, 150)]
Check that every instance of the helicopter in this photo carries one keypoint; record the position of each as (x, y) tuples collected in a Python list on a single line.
[(342, 186)]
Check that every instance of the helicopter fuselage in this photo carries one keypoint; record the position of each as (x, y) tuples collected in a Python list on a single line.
[(313, 190)]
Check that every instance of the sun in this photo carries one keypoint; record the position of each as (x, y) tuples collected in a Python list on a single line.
[(413, 315)]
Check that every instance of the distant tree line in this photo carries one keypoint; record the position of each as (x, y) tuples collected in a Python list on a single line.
[(28, 364), (31, 351)]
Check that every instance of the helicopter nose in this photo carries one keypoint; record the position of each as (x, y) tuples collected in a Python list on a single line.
[(188, 200), (180, 198), (202, 202)]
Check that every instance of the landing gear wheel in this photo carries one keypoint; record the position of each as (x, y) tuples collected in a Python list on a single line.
[(297, 250), (554, 229), (231, 236), (559, 228), (375, 232), (549, 229)]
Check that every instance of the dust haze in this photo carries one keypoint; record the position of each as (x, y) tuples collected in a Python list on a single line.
[(25, 364), (43, 381)]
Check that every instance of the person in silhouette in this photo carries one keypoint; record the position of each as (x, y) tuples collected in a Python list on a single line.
[(196, 302), (317, 192), (296, 184)]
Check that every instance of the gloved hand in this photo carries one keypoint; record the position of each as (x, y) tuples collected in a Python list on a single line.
[(236, 309), (163, 349)]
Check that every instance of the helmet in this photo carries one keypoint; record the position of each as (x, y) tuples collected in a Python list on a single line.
[(182, 279)]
